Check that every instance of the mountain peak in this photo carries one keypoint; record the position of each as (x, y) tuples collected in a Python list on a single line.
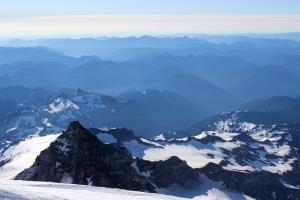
[(76, 133), (77, 156), (75, 125)]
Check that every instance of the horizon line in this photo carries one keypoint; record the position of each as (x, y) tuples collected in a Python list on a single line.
[(149, 24)]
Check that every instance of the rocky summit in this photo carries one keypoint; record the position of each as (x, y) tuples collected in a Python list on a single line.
[(78, 157)]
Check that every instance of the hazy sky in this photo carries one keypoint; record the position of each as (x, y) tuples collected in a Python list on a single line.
[(74, 7), (99, 17)]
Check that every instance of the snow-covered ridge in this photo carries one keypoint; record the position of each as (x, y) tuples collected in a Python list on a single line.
[(51, 116), (61, 104), (239, 145)]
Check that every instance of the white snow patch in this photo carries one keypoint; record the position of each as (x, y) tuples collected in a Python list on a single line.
[(47, 123), (246, 126), (200, 136), (184, 139), (206, 189), (160, 137), (234, 166), (60, 105), (263, 135), (11, 129), (63, 145), (195, 158), (227, 136), (227, 145), (280, 166), (23, 155), (225, 126), (283, 150), (150, 142), (288, 185)]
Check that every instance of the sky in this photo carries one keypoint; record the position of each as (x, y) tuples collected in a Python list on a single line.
[(34, 18)]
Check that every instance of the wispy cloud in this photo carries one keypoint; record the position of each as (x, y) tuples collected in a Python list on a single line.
[(146, 24)]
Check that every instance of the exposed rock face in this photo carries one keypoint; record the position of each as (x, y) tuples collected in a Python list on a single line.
[(165, 173), (260, 185), (78, 157)]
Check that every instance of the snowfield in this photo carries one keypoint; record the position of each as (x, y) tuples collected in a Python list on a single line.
[(22, 155), (195, 157), (28, 190)]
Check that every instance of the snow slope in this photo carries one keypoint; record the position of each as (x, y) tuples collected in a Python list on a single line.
[(27, 190), (22, 155), (244, 146)]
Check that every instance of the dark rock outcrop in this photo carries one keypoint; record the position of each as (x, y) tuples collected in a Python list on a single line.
[(166, 173), (78, 157)]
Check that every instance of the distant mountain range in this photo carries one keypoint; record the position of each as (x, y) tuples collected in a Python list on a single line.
[(275, 110), (207, 73), (147, 112)]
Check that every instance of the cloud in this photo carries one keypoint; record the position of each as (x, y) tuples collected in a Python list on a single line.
[(85, 25)]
